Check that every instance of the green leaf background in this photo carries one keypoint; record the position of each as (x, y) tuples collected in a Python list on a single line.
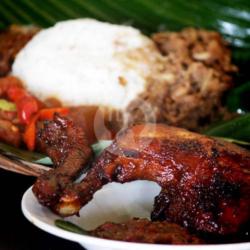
[(230, 18)]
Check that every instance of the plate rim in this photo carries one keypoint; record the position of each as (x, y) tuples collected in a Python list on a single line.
[(95, 241)]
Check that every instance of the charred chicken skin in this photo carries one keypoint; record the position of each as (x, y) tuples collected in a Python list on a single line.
[(67, 146), (205, 182)]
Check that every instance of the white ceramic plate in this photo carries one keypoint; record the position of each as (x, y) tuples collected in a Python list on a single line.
[(116, 203)]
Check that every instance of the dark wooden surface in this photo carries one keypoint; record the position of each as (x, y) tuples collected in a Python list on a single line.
[(17, 233)]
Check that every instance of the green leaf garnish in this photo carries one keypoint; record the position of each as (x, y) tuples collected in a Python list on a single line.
[(7, 106), (71, 227)]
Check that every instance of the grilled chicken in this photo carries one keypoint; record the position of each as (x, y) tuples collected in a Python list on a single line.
[(205, 182), (67, 146)]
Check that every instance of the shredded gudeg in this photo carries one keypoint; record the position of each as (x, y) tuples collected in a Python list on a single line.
[(193, 76)]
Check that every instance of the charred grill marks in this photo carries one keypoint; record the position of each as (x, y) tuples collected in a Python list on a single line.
[(204, 183), (68, 148)]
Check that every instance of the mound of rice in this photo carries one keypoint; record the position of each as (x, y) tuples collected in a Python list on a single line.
[(87, 62)]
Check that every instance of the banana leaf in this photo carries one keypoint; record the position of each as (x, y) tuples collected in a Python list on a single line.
[(241, 143), (238, 99), (24, 155), (237, 129), (230, 18)]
